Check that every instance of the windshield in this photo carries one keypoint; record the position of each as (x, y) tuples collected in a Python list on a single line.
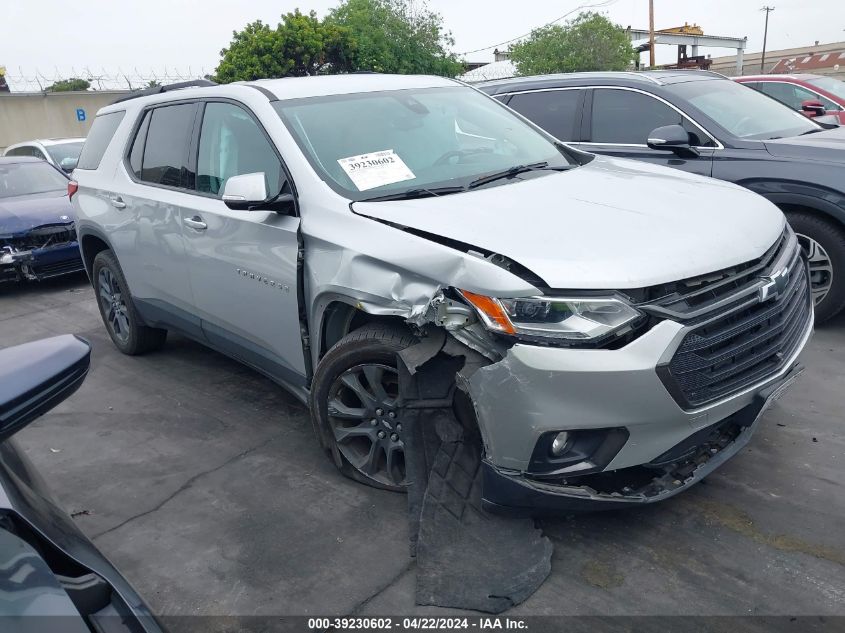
[(829, 84), (368, 145), (742, 111), (21, 179), (64, 150)]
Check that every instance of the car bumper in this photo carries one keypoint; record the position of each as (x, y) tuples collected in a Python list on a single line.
[(41, 263), (537, 390)]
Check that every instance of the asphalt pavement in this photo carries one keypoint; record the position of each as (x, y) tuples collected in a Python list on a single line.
[(202, 482)]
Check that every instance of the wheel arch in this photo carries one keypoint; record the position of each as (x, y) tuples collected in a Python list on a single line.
[(92, 242), (342, 315), (804, 197)]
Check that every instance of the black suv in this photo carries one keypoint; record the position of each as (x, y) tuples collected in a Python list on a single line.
[(704, 123)]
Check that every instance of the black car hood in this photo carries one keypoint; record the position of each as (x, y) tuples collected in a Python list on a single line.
[(20, 214), (828, 146)]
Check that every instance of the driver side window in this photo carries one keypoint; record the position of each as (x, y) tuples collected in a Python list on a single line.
[(231, 144)]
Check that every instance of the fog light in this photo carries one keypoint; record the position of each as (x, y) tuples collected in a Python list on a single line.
[(559, 443)]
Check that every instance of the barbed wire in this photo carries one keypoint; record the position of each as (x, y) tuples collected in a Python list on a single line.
[(36, 80)]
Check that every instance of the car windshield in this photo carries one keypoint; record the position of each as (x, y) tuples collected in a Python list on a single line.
[(833, 86), (742, 111), (21, 179), (64, 150), (371, 145)]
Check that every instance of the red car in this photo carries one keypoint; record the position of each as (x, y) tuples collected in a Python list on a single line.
[(812, 95)]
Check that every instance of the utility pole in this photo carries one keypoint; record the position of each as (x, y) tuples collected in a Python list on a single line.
[(768, 10), (651, 33)]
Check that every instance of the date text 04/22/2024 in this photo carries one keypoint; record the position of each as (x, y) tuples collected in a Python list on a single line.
[(418, 624)]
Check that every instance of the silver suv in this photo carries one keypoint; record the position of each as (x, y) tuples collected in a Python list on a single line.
[(619, 326)]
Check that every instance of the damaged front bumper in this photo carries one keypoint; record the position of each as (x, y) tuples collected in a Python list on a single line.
[(536, 392), (39, 263), (676, 470)]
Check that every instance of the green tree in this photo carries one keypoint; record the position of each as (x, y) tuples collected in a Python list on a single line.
[(396, 36), (589, 42), (67, 85), (300, 45)]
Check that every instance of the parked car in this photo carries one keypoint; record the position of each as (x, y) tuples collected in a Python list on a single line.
[(61, 153), (52, 576), (37, 229), (703, 123), (627, 323), (811, 95)]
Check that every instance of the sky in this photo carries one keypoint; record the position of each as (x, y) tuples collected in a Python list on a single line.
[(147, 37)]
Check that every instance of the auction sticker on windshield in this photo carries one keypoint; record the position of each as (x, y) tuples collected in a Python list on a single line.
[(375, 169)]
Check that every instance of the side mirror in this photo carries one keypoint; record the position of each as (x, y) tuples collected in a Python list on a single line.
[(672, 138), (69, 163), (35, 377), (813, 107), (245, 192)]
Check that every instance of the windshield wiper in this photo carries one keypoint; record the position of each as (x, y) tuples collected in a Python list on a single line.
[(413, 194), (810, 132), (515, 171)]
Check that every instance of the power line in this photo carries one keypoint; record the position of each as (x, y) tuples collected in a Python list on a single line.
[(596, 5)]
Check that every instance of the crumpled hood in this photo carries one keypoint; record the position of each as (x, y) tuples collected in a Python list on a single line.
[(612, 223), (828, 146), (19, 214)]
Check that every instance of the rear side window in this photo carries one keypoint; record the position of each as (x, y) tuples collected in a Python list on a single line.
[(165, 160), (99, 137), (552, 110), (136, 155)]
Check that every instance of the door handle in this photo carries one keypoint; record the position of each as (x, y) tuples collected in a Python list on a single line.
[(195, 223), (117, 202)]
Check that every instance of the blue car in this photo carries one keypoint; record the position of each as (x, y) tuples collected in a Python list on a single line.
[(37, 229)]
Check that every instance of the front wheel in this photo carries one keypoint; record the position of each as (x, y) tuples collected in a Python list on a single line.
[(354, 399), (823, 243), (117, 310)]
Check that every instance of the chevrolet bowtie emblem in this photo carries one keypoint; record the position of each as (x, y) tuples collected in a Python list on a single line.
[(774, 285)]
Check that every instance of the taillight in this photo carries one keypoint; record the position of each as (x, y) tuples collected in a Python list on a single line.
[(72, 188)]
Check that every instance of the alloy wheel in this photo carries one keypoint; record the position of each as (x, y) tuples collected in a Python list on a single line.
[(114, 304), (364, 418), (821, 267)]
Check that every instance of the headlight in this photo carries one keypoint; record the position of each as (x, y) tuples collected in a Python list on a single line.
[(563, 318)]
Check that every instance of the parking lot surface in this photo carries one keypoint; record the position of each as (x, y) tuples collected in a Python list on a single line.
[(201, 481)]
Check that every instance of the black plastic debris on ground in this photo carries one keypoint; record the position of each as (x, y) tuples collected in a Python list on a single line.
[(466, 557)]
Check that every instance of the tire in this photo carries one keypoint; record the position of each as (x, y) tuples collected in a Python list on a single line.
[(358, 430), (823, 242), (118, 311)]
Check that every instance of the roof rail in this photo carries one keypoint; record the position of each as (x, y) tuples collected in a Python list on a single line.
[(146, 92)]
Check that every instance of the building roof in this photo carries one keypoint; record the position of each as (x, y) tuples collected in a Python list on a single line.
[(808, 63)]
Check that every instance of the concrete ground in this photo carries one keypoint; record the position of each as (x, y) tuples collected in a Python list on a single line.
[(202, 482)]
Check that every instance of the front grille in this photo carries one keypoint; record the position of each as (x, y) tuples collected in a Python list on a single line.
[(693, 299), (58, 268), (743, 342)]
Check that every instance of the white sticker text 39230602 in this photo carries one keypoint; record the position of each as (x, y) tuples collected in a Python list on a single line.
[(376, 169)]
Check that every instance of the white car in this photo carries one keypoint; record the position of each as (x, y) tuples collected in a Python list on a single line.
[(62, 153), (384, 245)]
